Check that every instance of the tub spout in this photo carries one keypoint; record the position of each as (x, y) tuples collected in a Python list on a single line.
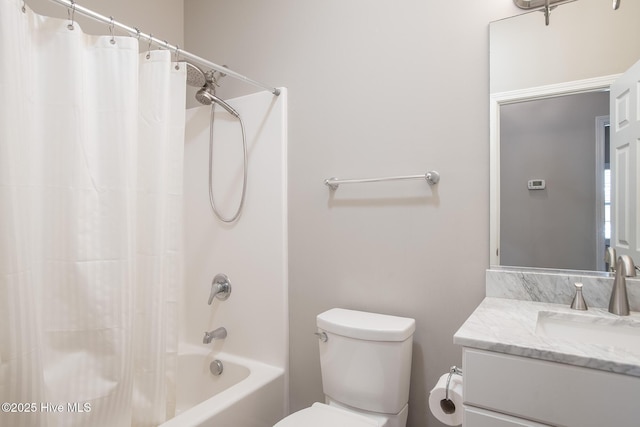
[(216, 334)]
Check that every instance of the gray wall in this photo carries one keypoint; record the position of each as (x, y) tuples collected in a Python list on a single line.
[(551, 139), (375, 88)]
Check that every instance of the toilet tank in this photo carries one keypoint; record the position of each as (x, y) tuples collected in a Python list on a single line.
[(366, 359)]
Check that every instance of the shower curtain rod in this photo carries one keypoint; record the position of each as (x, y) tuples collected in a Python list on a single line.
[(75, 7)]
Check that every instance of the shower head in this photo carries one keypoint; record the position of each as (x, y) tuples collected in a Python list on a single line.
[(207, 93), (195, 76), (206, 96)]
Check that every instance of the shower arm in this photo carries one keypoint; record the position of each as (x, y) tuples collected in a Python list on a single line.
[(72, 5)]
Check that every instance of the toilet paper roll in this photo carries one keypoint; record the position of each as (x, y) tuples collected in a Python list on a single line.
[(455, 394)]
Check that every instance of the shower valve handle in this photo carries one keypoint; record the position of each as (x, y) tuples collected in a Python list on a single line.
[(220, 288)]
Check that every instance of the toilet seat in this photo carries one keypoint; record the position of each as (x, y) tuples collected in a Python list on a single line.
[(321, 415)]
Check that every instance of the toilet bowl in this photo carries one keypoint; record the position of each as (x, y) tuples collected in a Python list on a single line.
[(365, 360)]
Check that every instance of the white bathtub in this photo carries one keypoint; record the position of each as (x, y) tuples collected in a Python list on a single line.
[(247, 393)]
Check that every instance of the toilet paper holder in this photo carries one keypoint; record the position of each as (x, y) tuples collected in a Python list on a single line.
[(453, 371), (446, 404)]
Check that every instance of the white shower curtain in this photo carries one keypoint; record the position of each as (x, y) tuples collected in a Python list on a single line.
[(91, 143)]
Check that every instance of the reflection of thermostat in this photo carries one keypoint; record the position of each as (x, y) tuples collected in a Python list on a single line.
[(536, 184)]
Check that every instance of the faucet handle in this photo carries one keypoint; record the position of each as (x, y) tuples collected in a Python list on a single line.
[(220, 288), (578, 300)]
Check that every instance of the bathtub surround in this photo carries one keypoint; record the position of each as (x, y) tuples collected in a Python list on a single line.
[(251, 252)]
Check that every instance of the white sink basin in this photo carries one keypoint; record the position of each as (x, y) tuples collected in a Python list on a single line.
[(622, 333)]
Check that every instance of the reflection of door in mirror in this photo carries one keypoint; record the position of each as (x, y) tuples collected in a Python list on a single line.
[(555, 141), (625, 159)]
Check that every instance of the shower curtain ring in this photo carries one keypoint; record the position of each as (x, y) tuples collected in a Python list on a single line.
[(137, 32), (111, 27), (71, 14), (149, 48), (177, 57), (24, 7)]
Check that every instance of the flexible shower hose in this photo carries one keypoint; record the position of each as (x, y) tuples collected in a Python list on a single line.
[(236, 215)]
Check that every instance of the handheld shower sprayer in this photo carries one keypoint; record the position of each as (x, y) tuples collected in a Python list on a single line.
[(206, 95)]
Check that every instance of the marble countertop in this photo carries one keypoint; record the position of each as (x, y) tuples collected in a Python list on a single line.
[(509, 326)]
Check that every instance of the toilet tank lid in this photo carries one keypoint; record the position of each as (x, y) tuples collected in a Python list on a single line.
[(366, 326)]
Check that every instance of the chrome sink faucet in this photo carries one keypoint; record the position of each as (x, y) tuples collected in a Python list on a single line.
[(619, 302), (216, 334)]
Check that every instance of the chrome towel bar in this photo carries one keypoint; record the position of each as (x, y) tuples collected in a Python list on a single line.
[(432, 177)]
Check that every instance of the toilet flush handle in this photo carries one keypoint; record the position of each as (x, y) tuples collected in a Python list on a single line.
[(322, 336)]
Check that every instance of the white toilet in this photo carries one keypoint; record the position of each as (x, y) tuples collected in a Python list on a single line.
[(365, 360)]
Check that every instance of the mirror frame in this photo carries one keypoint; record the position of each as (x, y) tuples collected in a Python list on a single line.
[(503, 98)]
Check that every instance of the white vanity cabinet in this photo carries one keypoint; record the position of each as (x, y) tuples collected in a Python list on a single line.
[(481, 418), (502, 390)]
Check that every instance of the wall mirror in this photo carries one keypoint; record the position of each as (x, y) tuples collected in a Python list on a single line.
[(541, 77)]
